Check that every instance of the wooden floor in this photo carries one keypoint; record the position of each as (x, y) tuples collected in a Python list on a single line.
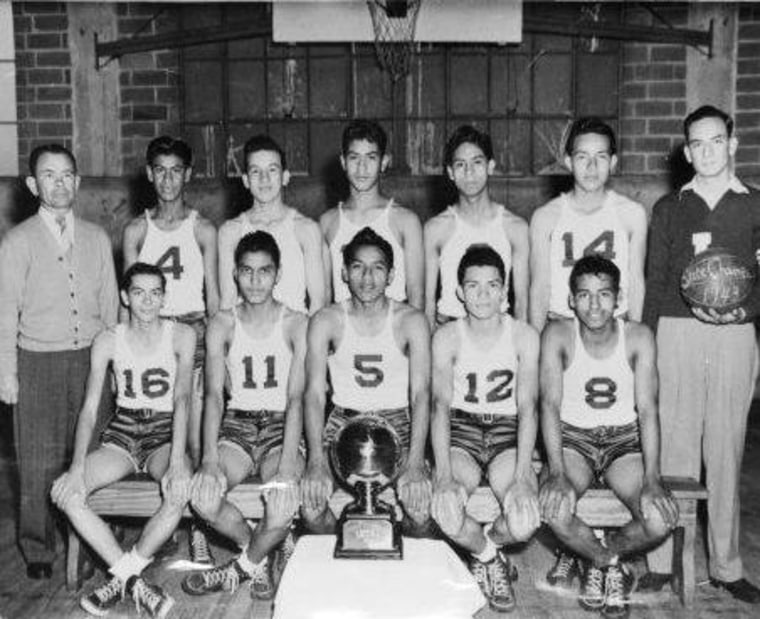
[(21, 598)]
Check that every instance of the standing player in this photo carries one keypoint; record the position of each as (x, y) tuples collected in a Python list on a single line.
[(152, 362), (258, 350), (474, 219), (57, 292), (305, 261), (707, 361), (182, 243), (378, 354), (599, 420), (364, 159), (590, 219), (485, 387)]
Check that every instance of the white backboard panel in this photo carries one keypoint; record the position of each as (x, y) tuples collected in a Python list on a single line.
[(456, 21)]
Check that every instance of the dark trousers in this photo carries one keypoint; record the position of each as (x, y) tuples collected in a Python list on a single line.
[(51, 392)]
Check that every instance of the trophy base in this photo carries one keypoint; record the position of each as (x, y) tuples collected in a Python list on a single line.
[(368, 536)]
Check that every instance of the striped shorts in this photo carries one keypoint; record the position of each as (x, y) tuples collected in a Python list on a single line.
[(138, 431), (602, 445), (255, 432), (482, 436)]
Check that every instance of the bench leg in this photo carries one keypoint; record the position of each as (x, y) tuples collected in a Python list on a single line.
[(73, 550), (683, 562)]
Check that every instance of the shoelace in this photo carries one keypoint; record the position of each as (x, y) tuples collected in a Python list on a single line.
[(226, 576), (564, 565), (594, 581), (614, 585), (110, 589), (145, 596), (260, 576), (199, 546), (480, 573), (497, 573)]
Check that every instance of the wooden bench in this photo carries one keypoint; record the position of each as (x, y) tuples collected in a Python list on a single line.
[(140, 497)]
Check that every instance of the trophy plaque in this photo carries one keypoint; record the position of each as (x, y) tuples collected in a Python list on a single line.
[(366, 456)]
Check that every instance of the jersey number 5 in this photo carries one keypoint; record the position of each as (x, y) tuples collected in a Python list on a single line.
[(601, 392), (603, 245), (153, 383), (500, 391), (369, 375), (170, 262)]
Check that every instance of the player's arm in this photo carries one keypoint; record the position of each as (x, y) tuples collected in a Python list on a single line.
[(658, 255), (131, 243), (643, 349), (107, 290), (14, 258), (432, 240), (71, 484), (205, 233), (636, 259), (444, 347), (540, 266), (410, 231), (328, 223), (316, 485), (226, 240), (556, 488), (287, 467), (417, 336), (526, 387), (314, 254), (517, 233)]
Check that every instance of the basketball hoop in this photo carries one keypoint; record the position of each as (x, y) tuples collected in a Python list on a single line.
[(394, 22)]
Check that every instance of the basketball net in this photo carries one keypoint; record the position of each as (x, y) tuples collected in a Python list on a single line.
[(394, 22)]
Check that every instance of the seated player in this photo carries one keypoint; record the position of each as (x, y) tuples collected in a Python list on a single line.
[(176, 238), (152, 361), (475, 218), (378, 354), (599, 420), (589, 219), (258, 350), (485, 387), (364, 159), (305, 261)]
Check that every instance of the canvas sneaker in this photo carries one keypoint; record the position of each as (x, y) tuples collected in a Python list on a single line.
[(227, 577), (261, 582), (619, 582), (199, 549), (592, 589), (502, 596), (149, 597), (564, 572), (480, 573), (104, 598)]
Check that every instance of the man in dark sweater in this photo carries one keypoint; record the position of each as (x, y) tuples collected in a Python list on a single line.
[(707, 360), (57, 291)]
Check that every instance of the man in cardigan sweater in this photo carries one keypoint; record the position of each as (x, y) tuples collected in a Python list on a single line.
[(707, 361), (57, 291)]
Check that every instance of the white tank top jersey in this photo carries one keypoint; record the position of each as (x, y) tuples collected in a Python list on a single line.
[(484, 380), (145, 381), (465, 234), (291, 289), (178, 255), (258, 369), (598, 392), (577, 235), (369, 372), (346, 231)]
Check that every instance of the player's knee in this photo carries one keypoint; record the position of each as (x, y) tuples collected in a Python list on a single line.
[(560, 522), (654, 524), (520, 527)]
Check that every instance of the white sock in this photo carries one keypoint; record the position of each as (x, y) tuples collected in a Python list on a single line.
[(249, 567), (130, 564)]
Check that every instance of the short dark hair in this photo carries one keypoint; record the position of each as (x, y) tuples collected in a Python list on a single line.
[(142, 268), (258, 241), (594, 264), (364, 129), (263, 142), (53, 149), (167, 145), (480, 255), (590, 124), (367, 237), (467, 134), (707, 111)]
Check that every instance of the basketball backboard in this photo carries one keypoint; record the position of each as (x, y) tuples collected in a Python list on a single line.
[(455, 21)]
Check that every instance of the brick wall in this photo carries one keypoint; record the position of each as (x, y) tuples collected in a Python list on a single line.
[(748, 92), (653, 97), (148, 82), (43, 75)]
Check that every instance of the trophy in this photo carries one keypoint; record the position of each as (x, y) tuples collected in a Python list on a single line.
[(366, 456)]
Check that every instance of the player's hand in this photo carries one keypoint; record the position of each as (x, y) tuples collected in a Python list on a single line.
[(656, 500), (282, 501), (68, 487), (521, 507), (9, 389), (448, 505), (208, 487), (316, 487), (175, 484), (555, 496), (716, 318), (415, 491)]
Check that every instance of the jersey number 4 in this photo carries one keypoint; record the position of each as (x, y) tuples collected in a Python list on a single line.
[(603, 245), (601, 392), (269, 383), (500, 391), (153, 383), (170, 262)]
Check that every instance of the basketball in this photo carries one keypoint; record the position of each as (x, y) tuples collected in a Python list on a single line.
[(716, 279)]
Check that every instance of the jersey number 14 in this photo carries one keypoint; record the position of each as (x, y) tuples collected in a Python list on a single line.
[(603, 245)]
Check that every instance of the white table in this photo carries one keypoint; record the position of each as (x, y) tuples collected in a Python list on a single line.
[(430, 582)]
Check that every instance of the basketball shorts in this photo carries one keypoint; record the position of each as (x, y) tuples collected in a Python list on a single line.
[(196, 320), (482, 436), (140, 432), (255, 433), (602, 445), (396, 417)]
